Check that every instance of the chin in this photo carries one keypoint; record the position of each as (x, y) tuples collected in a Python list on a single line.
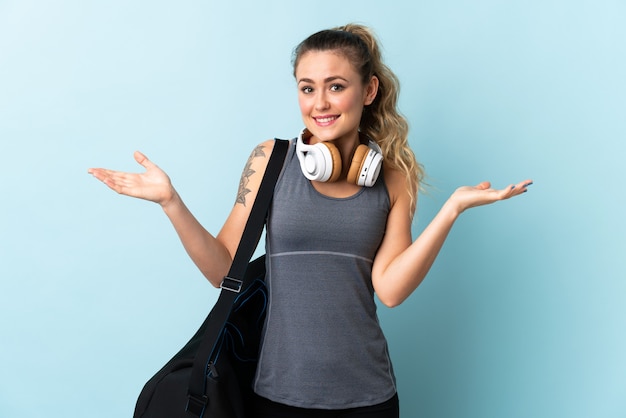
[(325, 133)]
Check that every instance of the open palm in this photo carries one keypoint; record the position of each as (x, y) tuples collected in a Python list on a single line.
[(482, 194), (153, 184)]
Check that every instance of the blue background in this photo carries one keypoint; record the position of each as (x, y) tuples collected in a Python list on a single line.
[(522, 314)]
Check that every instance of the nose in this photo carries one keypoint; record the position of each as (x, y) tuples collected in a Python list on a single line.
[(321, 102)]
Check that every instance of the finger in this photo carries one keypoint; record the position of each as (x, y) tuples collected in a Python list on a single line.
[(99, 173), (516, 189), (483, 185), (112, 181), (113, 184), (116, 180), (522, 186), (102, 173), (143, 160)]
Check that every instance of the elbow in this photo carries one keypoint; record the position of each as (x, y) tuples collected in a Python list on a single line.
[(394, 294), (216, 276), (391, 304), (390, 301), (214, 280), (390, 296), (214, 261)]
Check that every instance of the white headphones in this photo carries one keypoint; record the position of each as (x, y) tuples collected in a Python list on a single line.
[(322, 161)]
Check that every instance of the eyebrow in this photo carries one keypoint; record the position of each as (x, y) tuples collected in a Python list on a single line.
[(326, 80)]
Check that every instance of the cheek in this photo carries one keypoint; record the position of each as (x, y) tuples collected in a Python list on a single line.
[(352, 102), (305, 104)]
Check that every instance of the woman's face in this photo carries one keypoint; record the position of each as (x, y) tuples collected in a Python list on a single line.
[(331, 95)]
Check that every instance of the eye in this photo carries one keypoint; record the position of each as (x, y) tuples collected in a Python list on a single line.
[(336, 87), (306, 89)]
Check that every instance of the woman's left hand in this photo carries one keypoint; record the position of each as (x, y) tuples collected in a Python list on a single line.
[(482, 194)]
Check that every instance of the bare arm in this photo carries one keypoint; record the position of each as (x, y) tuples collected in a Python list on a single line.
[(212, 254), (401, 265)]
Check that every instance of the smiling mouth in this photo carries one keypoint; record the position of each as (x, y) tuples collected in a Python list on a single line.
[(324, 120)]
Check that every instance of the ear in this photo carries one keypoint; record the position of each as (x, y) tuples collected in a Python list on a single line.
[(371, 90)]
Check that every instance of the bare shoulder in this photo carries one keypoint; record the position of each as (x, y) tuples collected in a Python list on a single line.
[(251, 177), (397, 185)]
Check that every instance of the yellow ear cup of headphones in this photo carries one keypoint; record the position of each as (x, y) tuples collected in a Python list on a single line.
[(336, 161), (358, 160)]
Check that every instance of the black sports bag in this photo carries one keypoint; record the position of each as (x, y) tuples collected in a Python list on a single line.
[(211, 376)]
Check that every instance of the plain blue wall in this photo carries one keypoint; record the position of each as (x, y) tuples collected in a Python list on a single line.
[(522, 314)]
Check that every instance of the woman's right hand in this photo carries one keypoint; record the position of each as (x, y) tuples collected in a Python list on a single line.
[(153, 184)]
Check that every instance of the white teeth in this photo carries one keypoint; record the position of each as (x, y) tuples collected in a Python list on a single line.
[(325, 120)]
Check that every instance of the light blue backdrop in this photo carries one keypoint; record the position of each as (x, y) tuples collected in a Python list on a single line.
[(522, 314)]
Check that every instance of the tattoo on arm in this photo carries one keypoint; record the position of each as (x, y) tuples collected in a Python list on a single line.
[(247, 173)]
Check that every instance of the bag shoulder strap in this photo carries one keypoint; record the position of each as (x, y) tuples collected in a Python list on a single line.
[(234, 283), (258, 214)]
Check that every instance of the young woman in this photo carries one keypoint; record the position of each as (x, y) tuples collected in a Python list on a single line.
[(339, 230)]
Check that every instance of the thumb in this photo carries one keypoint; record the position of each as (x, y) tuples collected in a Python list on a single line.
[(483, 185), (143, 160)]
